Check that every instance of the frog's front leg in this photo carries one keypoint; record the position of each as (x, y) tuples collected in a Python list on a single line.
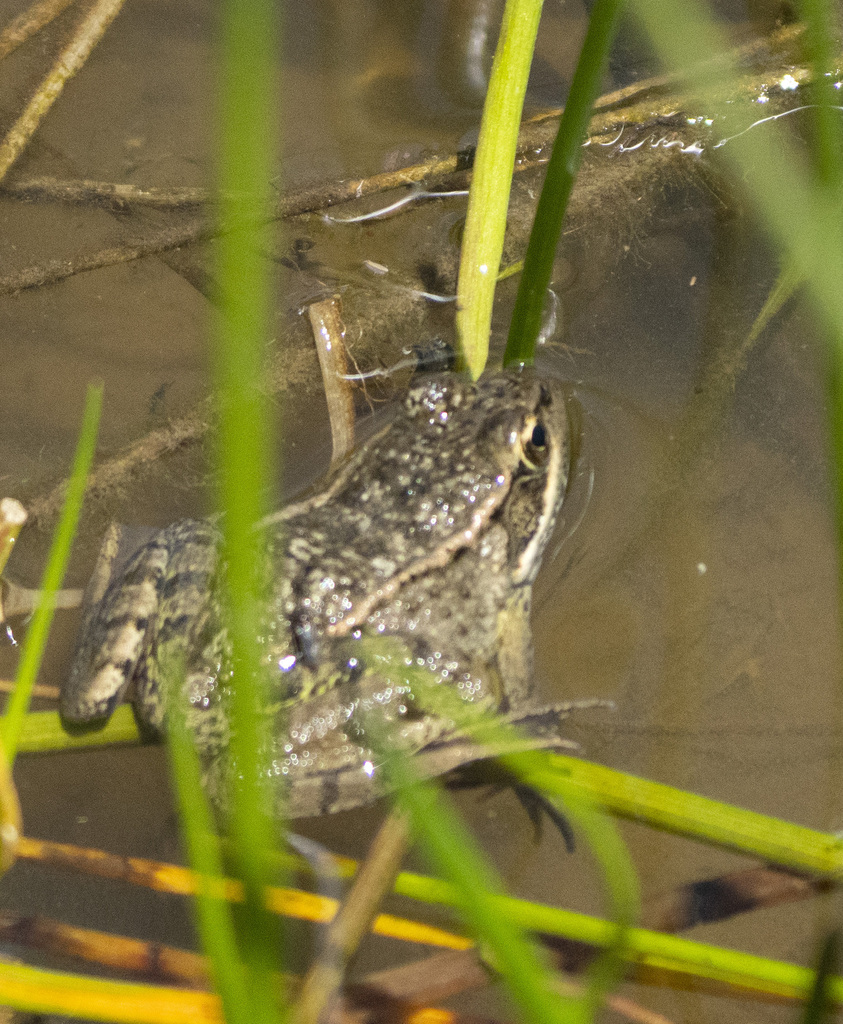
[(157, 611)]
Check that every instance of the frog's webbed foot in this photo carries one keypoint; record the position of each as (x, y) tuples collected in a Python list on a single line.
[(537, 729), (495, 776)]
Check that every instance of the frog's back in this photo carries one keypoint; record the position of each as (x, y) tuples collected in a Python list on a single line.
[(429, 534)]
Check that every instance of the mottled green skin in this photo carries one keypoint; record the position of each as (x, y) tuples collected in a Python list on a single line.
[(431, 533)]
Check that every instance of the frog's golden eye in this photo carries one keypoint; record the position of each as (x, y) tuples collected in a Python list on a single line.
[(534, 451)]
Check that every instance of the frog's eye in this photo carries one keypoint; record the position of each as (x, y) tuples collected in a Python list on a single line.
[(534, 444)]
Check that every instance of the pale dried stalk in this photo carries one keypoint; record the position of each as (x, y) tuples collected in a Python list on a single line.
[(329, 335), (69, 61), (39, 690), (11, 822), (373, 882), (18, 600), (27, 24), (12, 518)]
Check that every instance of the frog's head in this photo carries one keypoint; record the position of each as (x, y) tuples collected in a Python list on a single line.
[(532, 435), (511, 431)]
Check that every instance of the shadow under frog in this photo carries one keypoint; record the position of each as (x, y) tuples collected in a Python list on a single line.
[(429, 535)]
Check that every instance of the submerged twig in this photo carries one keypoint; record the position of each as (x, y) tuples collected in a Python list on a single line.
[(154, 961), (624, 107), (32, 20), (329, 335), (68, 62), (148, 449), (111, 193), (53, 271), (314, 198)]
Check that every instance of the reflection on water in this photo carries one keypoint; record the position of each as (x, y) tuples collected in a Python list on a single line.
[(693, 580)]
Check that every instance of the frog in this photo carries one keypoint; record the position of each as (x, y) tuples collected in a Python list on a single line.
[(424, 544)]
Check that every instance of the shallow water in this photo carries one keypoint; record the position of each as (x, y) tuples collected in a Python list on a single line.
[(693, 577)]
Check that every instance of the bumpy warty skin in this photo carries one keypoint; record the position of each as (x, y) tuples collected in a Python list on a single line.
[(430, 535)]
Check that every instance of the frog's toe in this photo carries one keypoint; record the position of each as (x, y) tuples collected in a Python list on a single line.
[(538, 806)]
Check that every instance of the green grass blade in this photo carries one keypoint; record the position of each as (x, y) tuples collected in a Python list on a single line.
[(819, 1006), (819, 17), (559, 181), (675, 810), (36, 637), (682, 957), (248, 150), (482, 243), (73, 995), (42, 732), (628, 796), (621, 883), (446, 842), (214, 920)]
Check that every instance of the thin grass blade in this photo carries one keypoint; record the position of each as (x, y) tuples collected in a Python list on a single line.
[(559, 181), (248, 150), (36, 637), (482, 244), (213, 912)]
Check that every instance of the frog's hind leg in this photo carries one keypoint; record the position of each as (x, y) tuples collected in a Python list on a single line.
[(113, 638), (147, 612)]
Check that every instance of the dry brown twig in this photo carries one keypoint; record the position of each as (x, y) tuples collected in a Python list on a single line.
[(181, 881), (32, 20), (39, 690), (444, 974), (69, 61), (151, 960), (372, 883)]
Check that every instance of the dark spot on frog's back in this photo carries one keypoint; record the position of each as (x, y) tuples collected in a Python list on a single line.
[(183, 581), (174, 626)]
